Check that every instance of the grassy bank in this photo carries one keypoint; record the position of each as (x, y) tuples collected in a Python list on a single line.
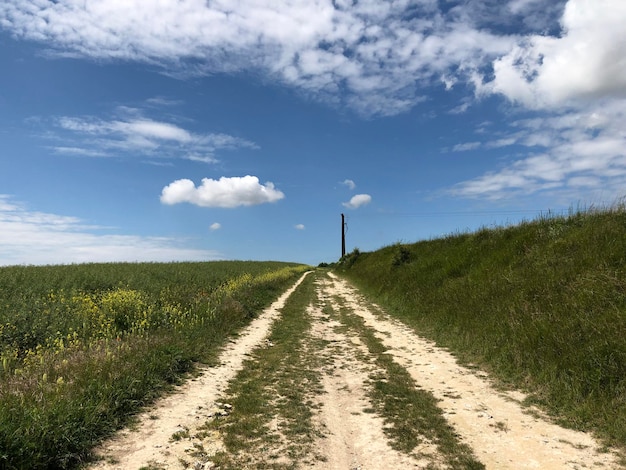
[(541, 305), (84, 347)]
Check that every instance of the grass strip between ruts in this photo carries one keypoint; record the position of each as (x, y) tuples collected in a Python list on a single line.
[(412, 414), (275, 386)]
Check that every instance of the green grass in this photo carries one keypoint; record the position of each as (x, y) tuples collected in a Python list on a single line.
[(40, 304), (276, 383), (542, 305), (410, 414), (84, 347)]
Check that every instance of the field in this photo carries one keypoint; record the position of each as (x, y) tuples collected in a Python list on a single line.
[(83, 347), (541, 305)]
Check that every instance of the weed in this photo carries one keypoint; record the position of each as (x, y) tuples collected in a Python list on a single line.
[(402, 255), (180, 435), (348, 260), (501, 426)]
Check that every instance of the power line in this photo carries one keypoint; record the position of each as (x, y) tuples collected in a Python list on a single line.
[(462, 213)]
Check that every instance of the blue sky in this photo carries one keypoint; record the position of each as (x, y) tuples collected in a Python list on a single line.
[(192, 130)]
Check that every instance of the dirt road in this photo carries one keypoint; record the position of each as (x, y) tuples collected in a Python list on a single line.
[(370, 372)]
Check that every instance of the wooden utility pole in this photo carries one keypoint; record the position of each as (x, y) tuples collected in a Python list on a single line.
[(343, 236)]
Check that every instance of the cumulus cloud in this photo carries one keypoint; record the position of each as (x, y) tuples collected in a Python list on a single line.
[(587, 61), (299, 227), (215, 226), (31, 237), (357, 201), (225, 192)]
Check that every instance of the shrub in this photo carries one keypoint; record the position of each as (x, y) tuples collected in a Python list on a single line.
[(402, 255)]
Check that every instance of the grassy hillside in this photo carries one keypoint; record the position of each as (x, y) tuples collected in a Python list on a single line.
[(541, 305)]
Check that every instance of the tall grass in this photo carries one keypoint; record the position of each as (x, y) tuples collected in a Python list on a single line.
[(542, 305), (84, 347)]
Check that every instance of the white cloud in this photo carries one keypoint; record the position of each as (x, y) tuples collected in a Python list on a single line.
[(504, 142), (371, 56), (565, 57), (299, 227), (80, 152), (133, 133), (215, 226), (374, 57), (466, 146), (461, 108), (588, 61), (357, 201), (159, 101), (225, 141), (6, 206), (152, 130), (535, 16), (225, 192), (349, 183), (518, 6), (31, 237), (571, 149), (202, 159)]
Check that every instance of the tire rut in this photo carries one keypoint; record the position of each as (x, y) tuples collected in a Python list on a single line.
[(503, 433), (354, 437)]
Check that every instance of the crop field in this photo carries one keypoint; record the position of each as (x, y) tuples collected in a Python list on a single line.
[(83, 347)]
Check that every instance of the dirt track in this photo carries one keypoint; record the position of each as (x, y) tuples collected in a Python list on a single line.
[(501, 433)]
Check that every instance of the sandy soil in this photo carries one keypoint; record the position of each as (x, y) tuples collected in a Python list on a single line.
[(502, 433)]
